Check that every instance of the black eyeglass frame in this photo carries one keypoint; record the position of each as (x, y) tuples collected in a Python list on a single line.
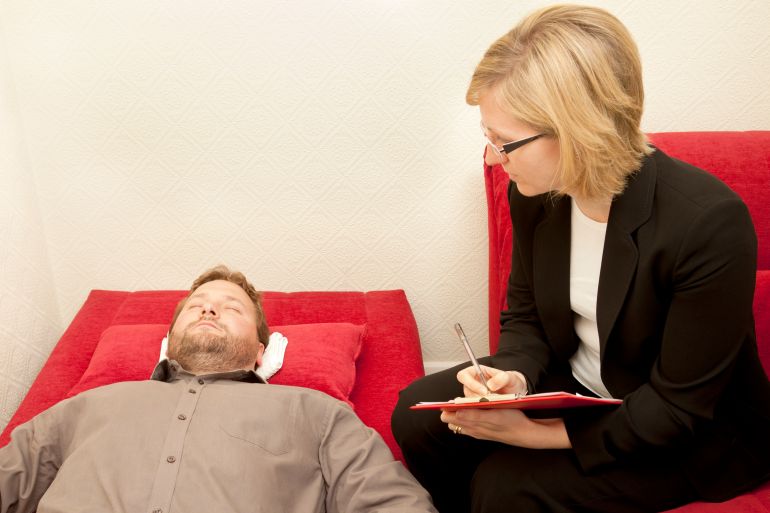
[(509, 147)]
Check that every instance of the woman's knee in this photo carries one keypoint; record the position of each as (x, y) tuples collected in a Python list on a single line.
[(517, 479), (408, 425)]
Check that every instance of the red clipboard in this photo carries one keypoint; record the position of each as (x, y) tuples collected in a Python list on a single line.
[(544, 401)]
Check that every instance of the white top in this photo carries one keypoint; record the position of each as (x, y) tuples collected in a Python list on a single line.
[(586, 247)]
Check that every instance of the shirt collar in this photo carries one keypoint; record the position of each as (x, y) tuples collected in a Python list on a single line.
[(169, 370)]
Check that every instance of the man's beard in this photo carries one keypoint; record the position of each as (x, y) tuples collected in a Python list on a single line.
[(211, 352)]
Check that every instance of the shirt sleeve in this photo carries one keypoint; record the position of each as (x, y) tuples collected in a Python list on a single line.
[(28, 464), (360, 472)]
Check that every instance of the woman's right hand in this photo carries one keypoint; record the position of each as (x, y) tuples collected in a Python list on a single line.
[(500, 382)]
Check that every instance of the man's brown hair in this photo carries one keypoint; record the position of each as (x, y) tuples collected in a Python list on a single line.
[(222, 272)]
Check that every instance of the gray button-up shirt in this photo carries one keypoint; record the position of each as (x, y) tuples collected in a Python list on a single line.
[(185, 443)]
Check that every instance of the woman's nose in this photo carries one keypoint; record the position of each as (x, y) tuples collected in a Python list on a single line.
[(493, 157)]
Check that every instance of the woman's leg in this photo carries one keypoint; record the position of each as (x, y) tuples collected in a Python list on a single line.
[(514, 479), (443, 462), (463, 474)]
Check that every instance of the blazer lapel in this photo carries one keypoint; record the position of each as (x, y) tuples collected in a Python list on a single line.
[(550, 254), (619, 260)]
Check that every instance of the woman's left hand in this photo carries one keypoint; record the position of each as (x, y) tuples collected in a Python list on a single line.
[(508, 426)]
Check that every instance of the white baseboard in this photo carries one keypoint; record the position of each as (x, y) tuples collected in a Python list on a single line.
[(431, 367)]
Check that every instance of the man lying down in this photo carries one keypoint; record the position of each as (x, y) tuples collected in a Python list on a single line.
[(205, 433)]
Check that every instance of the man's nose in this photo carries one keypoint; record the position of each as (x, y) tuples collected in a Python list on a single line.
[(208, 309)]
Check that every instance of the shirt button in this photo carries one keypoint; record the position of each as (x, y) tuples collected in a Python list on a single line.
[(182, 416), (171, 459), (192, 390), (157, 510), (200, 382)]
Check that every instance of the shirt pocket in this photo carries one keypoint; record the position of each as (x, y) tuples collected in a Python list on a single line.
[(264, 423)]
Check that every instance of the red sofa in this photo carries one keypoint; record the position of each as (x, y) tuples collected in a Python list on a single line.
[(382, 356), (740, 159)]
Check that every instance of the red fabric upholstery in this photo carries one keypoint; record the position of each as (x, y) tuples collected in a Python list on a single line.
[(500, 246), (125, 352), (390, 356), (740, 159), (762, 317), (332, 346)]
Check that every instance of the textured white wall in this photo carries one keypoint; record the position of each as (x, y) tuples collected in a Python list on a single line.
[(29, 318), (314, 145)]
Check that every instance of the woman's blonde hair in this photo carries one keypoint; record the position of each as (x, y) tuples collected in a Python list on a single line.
[(574, 73)]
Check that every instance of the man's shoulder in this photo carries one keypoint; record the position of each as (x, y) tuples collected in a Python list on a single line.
[(283, 398), (120, 386), (309, 395), (117, 391)]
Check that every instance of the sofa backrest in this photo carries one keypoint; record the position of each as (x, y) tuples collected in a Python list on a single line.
[(740, 159)]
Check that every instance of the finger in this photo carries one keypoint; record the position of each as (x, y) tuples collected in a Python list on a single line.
[(458, 430), (467, 374), (472, 384), (491, 371), (499, 381), (494, 377), (469, 416), (467, 392), (477, 388)]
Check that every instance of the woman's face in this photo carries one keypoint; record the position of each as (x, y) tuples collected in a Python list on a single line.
[(532, 166)]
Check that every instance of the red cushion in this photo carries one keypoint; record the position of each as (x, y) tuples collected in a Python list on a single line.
[(320, 356), (762, 317), (124, 353), (756, 501), (500, 246)]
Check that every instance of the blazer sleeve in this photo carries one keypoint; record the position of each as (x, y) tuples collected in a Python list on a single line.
[(708, 323), (523, 342)]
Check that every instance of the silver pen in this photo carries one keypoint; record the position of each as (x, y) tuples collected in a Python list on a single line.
[(467, 346)]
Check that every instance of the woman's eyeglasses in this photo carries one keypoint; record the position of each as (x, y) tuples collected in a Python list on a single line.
[(508, 147)]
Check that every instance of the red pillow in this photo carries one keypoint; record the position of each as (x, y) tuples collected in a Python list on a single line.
[(321, 356)]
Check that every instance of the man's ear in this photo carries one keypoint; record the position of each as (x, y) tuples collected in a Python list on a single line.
[(260, 353)]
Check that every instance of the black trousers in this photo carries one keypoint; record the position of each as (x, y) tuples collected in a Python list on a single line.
[(465, 475)]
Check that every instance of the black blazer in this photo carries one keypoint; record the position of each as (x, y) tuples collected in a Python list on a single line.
[(676, 329)]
